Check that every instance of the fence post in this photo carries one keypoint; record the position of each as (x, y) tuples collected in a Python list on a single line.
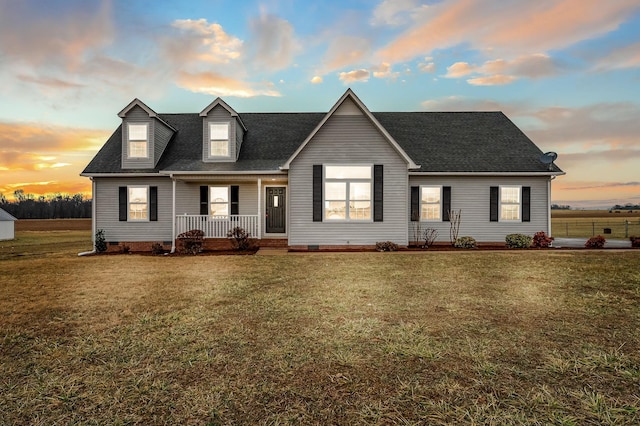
[(593, 229), (626, 229)]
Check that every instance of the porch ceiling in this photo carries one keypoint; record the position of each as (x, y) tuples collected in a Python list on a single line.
[(231, 178)]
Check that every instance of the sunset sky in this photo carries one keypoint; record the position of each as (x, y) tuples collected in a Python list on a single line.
[(567, 72)]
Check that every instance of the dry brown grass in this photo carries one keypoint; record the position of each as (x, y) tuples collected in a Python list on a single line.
[(588, 223), (535, 337)]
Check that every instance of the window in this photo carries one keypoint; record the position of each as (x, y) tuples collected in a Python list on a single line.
[(219, 201), (138, 140), (430, 203), (510, 203), (138, 202), (347, 193), (218, 139)]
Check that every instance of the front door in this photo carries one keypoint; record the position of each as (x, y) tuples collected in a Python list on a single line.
[(276, 210)]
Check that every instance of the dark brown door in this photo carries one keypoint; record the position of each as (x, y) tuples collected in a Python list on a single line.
[(276, 210)]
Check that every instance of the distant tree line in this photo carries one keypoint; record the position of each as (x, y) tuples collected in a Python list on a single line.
[(560, 207), (627, 206), (55, 206)]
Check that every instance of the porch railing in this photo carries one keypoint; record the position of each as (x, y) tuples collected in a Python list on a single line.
[(217, 227)]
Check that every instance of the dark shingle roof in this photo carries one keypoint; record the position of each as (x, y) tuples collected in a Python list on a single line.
[(438, 141)]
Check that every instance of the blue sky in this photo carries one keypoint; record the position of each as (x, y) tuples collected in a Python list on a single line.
[(566, 71)]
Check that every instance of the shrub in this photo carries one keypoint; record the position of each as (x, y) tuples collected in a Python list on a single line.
[(541, 240), (518, 241), (429, 236), (191, 241), (596, 242), (386, 246), (635, 242), (101, 243), (239, 238), (157, 249), (465, 242)]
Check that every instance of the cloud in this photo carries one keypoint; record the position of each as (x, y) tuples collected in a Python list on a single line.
[(393, 12), (493, 80), (273, 43), (620, 58), (459, 69), (32, 35), (344, 51), (499, 27), (384, 71), (50, 82), (199, 41), (316, 79), (428, 67), (354, 76), (217, 85), (600, 185)]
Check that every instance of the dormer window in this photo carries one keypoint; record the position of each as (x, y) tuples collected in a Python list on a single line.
[(218, 139), (138, 143)]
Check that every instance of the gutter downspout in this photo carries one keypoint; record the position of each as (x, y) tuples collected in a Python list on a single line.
[(549, 202), (173, 216), (93, 219)]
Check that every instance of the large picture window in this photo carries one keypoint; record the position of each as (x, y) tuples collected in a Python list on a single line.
[(347, 193), (430, 203), (219, 201), (218, 139), (138, 204), (510, 203), (138, 143)]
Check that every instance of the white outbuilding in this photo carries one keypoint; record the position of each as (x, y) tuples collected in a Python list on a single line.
[(7, 226)]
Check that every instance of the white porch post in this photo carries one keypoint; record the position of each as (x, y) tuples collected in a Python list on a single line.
[(173, 216), (259, 208)]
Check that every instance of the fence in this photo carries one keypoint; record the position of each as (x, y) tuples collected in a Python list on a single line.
[(585, 228)]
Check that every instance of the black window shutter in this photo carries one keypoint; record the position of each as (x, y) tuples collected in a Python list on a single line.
[(122, 206), (378, 184), (415, 203), (153, 203), (317, 192), (235, 203), (526, 204), (446, 203), (493, 204), (204, 199)]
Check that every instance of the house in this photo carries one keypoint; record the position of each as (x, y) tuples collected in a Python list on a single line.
[(348, 177), (7, 226)]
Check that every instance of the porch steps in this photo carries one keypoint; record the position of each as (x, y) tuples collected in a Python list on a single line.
[(272, 251)]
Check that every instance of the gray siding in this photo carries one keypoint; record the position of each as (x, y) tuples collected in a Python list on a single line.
[(106, 199), (239, 137), (348, 139), (162, 136), (471, 196), (138, 116), (218, 114)]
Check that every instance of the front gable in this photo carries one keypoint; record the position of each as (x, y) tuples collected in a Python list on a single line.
[(222, 133), (349, 109)]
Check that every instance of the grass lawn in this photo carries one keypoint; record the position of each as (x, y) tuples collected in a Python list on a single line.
[(588, 223), (509, 337)]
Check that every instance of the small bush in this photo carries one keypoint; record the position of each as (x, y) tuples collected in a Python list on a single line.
[(429, 236), (101, 243), (518, 241), (541, 240), (191, 241), (465, 242), (596, 242), (386, 246), (239, 239), (157, 249)]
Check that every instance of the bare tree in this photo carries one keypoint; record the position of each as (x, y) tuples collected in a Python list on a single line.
[(454, 220)]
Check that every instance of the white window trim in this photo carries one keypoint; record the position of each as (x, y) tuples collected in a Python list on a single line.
[(228, 139), (129, 218), (324, 198), (519, 204), (221, 217), (129, 140), (421, 203)]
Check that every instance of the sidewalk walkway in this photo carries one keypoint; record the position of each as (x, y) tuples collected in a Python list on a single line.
[(579, 243)]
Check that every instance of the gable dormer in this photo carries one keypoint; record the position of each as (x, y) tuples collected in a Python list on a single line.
[(144, 136), (222, 132)]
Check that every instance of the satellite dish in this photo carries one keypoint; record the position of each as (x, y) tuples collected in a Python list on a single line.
[(548, 158)]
